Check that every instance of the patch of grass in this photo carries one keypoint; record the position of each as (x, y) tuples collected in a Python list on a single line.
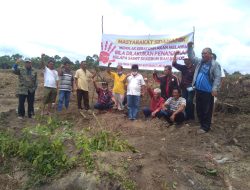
[(41, 148)]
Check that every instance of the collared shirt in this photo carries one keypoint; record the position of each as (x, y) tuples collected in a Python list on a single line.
[(167, 84), (202, 81), (134, 84), (83, 78), (50, 77), (119, 86), (155, 103), (174, 104), (104, 96)]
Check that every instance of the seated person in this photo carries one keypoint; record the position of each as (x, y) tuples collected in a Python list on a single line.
[(156, 103), (105, 97), (173, 109)]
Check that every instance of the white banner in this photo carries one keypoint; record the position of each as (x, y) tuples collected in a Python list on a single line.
[(149, 52)]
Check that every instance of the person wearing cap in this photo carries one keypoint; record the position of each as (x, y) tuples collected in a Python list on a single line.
[(187, 91), (82, 78), (156, 102), (207, 78), (51, 81), (27, 86), (65, 84), (135, 88), (167, 82), (119, 86), (105, 97)]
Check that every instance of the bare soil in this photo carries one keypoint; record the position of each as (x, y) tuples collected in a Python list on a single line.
[(172, 157)]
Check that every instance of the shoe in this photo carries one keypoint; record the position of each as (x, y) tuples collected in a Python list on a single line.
[(20, 117), (201, 131)]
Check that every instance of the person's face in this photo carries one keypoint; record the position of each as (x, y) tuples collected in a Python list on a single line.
[(105, 87), (206, 55), (176, 94), (156, 95), (28, 65), (51, 65), (67, 66), (167, 71), (83, 65), (119, 69), (187, 62)]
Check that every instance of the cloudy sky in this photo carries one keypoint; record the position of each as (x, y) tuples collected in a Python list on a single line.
[(73, 27)]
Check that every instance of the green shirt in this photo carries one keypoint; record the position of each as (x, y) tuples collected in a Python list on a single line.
[(27, 80)]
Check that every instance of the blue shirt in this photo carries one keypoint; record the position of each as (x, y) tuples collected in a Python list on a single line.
[(202, 81)]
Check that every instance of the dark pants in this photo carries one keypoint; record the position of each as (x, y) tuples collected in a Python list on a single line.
[(82, 95), (30, 99), (179, 118), (147, 112), (204, 108), (133, 106), (103, 106), (189, 96)]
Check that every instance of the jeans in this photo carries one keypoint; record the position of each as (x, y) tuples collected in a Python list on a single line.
[(204, 108), (30, 99), (82, 94), (189, 96), (133, 106), (103, 106), (147, 112), (64, 96), (179, 118)]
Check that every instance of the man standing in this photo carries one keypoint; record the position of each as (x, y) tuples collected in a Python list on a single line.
[(167, 82), (26, 89), (82, 79), (119, 86), (50, 85), (135, 89), (206, 81), (66, 84), (187, 91)]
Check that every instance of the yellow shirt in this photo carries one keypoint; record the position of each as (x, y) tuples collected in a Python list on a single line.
[(119, 86), (83, 79)]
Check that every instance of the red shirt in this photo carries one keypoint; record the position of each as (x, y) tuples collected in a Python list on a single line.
[(155, 103)]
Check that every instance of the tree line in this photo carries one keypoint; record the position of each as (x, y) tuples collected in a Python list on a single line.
[(7, 61)]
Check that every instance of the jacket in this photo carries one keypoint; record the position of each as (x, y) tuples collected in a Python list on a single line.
[(215, 70), (27, 80)]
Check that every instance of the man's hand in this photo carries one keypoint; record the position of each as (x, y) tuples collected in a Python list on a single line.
[(176, 53), (153, 113), (172, 117), (155, 71), (214, 93), (109, 64)]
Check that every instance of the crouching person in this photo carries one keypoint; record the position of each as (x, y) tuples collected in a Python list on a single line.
[(105, 97), (173, 109), (156, 103)]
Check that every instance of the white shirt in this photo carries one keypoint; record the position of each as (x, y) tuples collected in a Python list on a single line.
[(50, 77), (134, 84)]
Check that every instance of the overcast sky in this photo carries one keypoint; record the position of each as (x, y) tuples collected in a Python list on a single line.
[(73, 27)]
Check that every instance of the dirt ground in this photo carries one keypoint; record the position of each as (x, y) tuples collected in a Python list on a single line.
[(172, 157)]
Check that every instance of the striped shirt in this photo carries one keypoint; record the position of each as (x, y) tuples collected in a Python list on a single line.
[(66, 80), (174, 104)]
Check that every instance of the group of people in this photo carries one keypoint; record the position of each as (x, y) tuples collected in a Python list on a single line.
[(172, 100)]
